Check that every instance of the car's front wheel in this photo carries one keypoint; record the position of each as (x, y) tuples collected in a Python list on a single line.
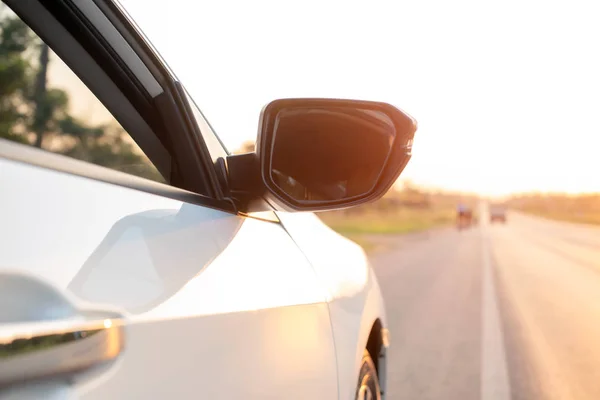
[(368, 383)]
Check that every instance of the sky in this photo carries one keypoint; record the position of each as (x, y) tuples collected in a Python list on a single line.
[(506, 93)]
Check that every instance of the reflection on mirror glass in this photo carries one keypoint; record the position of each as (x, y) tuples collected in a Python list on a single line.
[(328, 154)]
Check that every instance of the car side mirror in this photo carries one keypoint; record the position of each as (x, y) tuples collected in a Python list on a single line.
[(324, 154)]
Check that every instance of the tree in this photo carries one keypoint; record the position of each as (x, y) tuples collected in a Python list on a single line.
[(109, 146), (15, 69), (43, 105), (31, 109), (246, 147)]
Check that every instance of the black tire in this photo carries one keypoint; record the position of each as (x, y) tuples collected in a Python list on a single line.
[(368, 382)]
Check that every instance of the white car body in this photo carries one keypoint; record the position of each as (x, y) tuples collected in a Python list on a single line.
[(215, 304)]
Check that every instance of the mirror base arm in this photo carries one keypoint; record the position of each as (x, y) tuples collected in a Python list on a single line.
[(244, 183)]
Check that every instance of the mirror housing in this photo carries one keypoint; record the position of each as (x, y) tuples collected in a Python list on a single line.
[(321, 154)]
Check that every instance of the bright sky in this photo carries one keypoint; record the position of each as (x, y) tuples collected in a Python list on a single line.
[(506, 93)]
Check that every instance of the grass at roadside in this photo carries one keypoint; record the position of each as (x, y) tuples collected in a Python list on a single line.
[(369, 244), (581, 208), (401, 221), (590, 218), (364, 227)]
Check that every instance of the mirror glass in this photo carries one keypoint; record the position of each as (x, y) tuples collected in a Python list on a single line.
[(329, 153)]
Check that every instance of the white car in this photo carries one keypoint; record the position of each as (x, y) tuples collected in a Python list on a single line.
[(140, 260)]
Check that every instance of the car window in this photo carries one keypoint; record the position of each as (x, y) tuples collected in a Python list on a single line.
[(215, 146), (45, 105)]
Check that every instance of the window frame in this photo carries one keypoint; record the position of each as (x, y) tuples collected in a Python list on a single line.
[(90, 73), (186, 133), (128, 95)]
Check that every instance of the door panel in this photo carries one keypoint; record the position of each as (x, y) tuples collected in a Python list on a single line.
[(216, 306), (355, 299)]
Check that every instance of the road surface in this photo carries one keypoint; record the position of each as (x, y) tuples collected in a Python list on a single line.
[(496, 312)]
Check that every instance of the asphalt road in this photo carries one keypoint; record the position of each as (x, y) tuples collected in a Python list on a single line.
[(495, 312)]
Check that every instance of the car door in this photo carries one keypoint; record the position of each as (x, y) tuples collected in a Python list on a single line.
[(124, 272)]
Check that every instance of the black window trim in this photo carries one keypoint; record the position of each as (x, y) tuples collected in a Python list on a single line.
[(37, 17), (75, 56), (175, 98), (167, 113), (173, 103)]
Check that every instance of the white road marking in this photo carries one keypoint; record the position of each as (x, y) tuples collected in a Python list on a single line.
[(494, 375)]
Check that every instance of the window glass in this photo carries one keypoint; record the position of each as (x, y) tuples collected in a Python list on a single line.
[(45, 105), (214, 144)]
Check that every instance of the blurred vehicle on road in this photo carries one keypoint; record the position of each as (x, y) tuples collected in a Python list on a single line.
[(464, 217), (498, 213)]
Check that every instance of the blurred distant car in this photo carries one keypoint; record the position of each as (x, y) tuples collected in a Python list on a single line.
[(498, 213), (464, 218), (213, 280)]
